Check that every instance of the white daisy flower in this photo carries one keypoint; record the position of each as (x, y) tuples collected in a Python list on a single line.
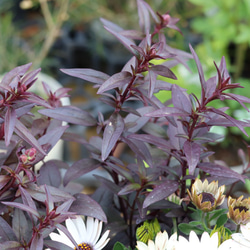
[(162, 242), (204, 243), (86, 236)]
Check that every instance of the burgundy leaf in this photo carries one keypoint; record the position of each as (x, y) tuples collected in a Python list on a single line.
[(25, 134), (152, 82), (155, 140), (80, 168), (84, 205), (52, 136), (89, 75), (124, 40), (129, 188), (168, 111), (4, 179), (192, 151), (117, 80), (140, 149), (110, 185), (49, 174), (11, 75), (37, 242), (10, 245), (23, 207), (181, 99), (144, 17), (200, 71), (111, 25), (27, 200), (70, 114), (9, 124), (233, 121), (160, 192), (219, 170), (38, 193), (6, 231), (111, 134), (163, 71)]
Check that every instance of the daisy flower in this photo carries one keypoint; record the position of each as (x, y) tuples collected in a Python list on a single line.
[(86, 236), (239, 210), (162, 242), (206, 197)]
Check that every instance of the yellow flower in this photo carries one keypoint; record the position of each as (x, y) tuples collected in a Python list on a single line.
[(239, 210), (206, 196)]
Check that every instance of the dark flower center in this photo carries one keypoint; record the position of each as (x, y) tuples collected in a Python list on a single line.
[(84, 246), (208, 197), (241, 208)]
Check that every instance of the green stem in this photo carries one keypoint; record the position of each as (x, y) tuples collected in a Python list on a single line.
[(203, 221), (174, 225), (237, 229)]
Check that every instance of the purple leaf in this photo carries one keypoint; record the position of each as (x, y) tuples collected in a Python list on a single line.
[(117, 80), (52, 136), (233, 121), (168, 111), (111, 134), (27, 200), (219, 170), (89, 75), (38, 193), (129, 188), (124, 40), (10, 245), (152, 82), (37, 242), (80, 168), (6, 231), (23, 207), (4, 179), (144, 17), (163, 71), (192, 151), (25, 134), (200, 71), (84, 205), (140, 149), (181, 99), (49, 174), (9, 124), (157, 141), (70, 114), (160, 192), (10, 76)]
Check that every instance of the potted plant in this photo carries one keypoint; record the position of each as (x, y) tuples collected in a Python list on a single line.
[(162, 188)]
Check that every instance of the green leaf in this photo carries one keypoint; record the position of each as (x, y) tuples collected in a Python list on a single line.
[(119, 246), (187, 228), (217, 213), (221, 220)]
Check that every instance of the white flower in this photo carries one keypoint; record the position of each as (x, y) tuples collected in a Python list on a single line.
[(204, 243), (162, 242), (242, 240), (83, 234)]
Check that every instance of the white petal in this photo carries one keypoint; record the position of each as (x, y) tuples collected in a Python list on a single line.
[(102, 242), (97, 231), (141, 246), (90, 228), (61, 237), (70, 224), (81, 228)]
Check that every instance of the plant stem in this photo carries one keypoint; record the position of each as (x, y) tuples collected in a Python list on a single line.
[(203, 220)]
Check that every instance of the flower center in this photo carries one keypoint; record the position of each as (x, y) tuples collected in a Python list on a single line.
[(84, 246), (208, 197), (241, 208)]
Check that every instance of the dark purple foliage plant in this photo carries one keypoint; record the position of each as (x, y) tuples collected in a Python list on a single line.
[(164, 145)]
